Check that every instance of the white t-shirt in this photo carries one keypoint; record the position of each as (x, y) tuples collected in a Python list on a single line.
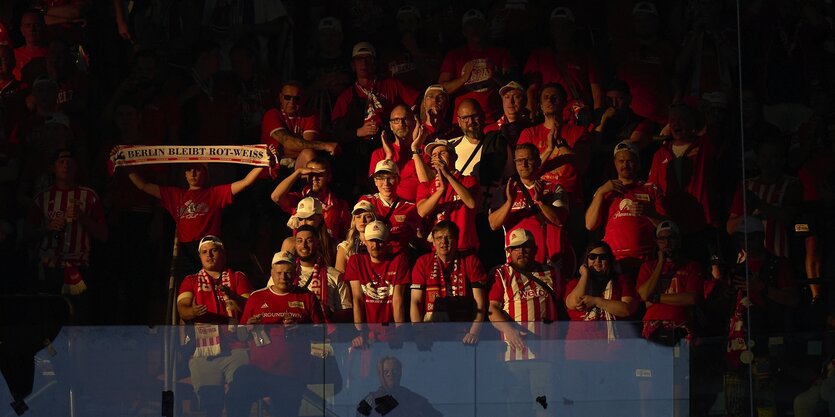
[(463, 148)]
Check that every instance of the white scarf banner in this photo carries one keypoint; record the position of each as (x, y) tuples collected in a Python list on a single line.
[(130, 155)]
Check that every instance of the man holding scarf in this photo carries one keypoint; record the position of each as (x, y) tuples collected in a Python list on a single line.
[(212, 300), (316, 276)]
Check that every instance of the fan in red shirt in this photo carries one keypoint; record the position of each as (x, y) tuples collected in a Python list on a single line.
[(408, 139), (296, 131), (540, 207), (278, 319), (434, 114), (400, 215), (211, 301), (629, 209), (448, 285), (449, 195), (515, 117), (378, 283), (472, 70), (317, 175), (670, 286), (32, 28)]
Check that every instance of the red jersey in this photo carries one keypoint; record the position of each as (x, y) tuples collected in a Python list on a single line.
[(408, 186), (402, 218), (206, 291), (522, 216), (685, 183), (388, 93), (776, 232), (283, 355), (545, 64), (525, 301), (676, 279), (567, 175), (480, 86), (450, 207), (275, 120), (439, 279), (377, 281), (23, 55), (629, 235), (197, 213), (336, 213), (72, 245)]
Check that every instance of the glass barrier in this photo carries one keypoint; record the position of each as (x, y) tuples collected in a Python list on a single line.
[(581, 369)]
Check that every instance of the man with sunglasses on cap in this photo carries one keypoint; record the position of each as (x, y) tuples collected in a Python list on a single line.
[(279, 348), (293, 129), (212, 301), (629, 209), (525, 299), (316, 175), (378, 280), (400, 216)]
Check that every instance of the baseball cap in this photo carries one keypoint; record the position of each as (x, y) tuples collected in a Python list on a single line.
[(376, 230), (307, 207), (519, 237), (470, 15), (439, 142), (645, 7), (284, 256), (62, 153), (408, 9), (750, 224), (386, 165), (625, 146), (562, 13), (210, 239), (330, 23), (363, 205), (513, 85), (363, 49), (58, 118), (667, 225), (435, 87)]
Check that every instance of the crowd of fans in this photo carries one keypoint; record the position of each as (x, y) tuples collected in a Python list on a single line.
[(514, 163)]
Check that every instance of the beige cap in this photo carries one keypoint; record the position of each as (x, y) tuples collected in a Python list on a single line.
[(626, 146), (386, 165), (519, 237), (376, 230), (667, 225), (363, 49), (513, 85), (307, 207), (284, 256), (363, 205), (439, 142)]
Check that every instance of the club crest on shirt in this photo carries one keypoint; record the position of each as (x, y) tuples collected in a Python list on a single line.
[(190, 209), (296, 304), (625, 204), (400, 218), (642, 197)]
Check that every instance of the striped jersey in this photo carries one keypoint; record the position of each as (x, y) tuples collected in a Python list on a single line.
[(776, 233), (72, 245)]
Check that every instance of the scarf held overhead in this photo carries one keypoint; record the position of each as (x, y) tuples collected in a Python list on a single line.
[(131, 155)]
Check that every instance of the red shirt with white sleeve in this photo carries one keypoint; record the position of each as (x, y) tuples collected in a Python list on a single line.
[(450, 207)]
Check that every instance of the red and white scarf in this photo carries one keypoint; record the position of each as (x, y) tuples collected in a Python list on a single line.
[(598, 313), (207, 336), (317, 282)]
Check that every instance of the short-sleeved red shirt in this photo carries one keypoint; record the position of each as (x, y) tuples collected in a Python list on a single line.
[(197, 213), (390, 92), (479, 87), (403, 221), (377, 281), (275, 120), (630, 235), (681, 279), (522, 217), (206, 293), (450, 207), (469, 270), (566, 175)]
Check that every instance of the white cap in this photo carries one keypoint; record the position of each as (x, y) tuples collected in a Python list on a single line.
[(438, 142), (210, 239), (376, 230), (307, 207), (519, 237), (513, 85), (750, 224), (330, 23), (363, 49), (645, 7), (470, 15), (667, 225), (562, 13), (363, 205), (434, 87), (626, 146), (284, 256), (386, 165)]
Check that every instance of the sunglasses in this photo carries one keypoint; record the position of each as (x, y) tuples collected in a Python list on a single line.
[(596, 256), (294, 99)]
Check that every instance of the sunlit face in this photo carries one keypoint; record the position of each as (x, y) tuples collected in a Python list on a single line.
[(386, 183), (443, 153), (512, 102), (377, 249), (527, 163), (599, 260), (626, 165), (314, 220), (318, 181), (551, 102), (436, 100), (362, 218), (307, 245), (470, 120), (283, 275), (290, 99), (213, 257), (445, 242), (196, 175), (522, 256), (401, 122)]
